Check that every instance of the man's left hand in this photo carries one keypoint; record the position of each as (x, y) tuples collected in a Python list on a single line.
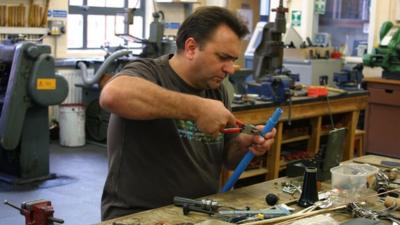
[(257, 144)]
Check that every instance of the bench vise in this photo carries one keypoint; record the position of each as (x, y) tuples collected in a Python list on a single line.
[(39, 212), (28, 85), (349, 80), (275, 88)]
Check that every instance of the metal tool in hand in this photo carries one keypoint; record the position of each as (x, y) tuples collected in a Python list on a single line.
[(242, 128), (269, 125)]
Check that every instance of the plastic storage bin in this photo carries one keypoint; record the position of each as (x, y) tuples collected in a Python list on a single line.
[(352, 179)]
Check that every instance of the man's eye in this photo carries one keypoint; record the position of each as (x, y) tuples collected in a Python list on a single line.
[(225, 58)]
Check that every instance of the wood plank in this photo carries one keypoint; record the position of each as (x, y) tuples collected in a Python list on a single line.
[(380, 80), (305, 110), (253, 172), (375, 160), (314, 141), (351, 124), (298, 138), (273, 156)]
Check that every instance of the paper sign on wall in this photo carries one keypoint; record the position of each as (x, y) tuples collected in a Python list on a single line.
[(320, 6), (296, 18)]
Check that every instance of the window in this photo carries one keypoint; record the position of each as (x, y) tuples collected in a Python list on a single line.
[(347, 21), (93, 24)]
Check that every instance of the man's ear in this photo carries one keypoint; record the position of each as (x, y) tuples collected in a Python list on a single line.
[(190, 47)]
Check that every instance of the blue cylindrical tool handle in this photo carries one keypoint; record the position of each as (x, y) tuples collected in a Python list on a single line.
[(273, 120)]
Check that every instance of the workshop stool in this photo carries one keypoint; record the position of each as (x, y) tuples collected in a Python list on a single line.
[(359, 142)]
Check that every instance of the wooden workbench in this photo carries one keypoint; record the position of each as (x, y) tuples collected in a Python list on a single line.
[(348, 105), (252, 196)]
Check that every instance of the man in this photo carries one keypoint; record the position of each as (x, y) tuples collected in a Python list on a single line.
[(164, 135)]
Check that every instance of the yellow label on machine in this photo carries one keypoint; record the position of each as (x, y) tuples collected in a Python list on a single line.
[(46, 84)]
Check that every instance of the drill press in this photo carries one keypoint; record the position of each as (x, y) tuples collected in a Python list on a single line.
[(271, 81)]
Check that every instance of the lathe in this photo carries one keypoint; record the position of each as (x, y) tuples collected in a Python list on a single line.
[(28, 85)]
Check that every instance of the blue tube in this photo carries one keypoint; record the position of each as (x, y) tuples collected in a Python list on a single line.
[(273, 120)]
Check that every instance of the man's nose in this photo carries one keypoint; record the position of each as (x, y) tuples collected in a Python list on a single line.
[(229, 67)]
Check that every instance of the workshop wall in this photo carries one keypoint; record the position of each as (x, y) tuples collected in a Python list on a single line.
[(386, 10), (307, 22), (60, 16), (243, 7), (381, 11), (174, 15), (58, 42)]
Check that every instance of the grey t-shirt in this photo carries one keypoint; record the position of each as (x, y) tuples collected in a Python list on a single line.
[(152, 161)]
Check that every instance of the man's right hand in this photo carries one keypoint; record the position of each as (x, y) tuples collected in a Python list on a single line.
[(212, 116)]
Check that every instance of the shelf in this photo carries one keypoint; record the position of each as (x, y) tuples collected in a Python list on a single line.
[(298, 138), (253, 172), (23, 30), (283, 165), (324, 132)]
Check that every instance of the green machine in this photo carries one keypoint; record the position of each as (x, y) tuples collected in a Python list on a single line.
[(387, 55), (28, 85)]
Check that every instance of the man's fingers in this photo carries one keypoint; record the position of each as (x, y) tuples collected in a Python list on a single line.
[(260, 149), (231, 120), (271, 134)]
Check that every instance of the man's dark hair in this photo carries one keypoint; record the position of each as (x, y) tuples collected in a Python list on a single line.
[(202, 23)]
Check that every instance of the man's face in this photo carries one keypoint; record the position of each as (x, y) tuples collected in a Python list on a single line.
[(215, 60)]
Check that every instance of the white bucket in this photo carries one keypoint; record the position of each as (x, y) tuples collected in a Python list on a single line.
[(72, 125)]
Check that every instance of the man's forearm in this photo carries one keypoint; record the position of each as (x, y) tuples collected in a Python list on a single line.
[(137, 98)]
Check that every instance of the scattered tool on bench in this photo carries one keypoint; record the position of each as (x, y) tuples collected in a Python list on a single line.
[(230, 214), (38, 212), (206, 206)]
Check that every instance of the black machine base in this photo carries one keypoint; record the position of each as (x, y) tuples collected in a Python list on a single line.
[(19, 181), (391, 75)]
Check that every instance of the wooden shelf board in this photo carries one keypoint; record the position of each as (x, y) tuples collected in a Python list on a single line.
[(298, 138), (253, 172), (23, 30)]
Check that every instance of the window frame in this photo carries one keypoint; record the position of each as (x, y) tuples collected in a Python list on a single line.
[(86, 10)]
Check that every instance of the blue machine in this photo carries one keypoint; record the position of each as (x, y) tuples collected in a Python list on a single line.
[(273, 88), (349, 80)]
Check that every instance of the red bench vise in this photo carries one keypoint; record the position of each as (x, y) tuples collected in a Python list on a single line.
[(38, 212)]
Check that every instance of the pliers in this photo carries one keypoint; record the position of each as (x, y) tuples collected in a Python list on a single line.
[(242, 128)]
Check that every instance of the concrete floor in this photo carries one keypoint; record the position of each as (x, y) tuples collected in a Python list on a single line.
[(75, 193)]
